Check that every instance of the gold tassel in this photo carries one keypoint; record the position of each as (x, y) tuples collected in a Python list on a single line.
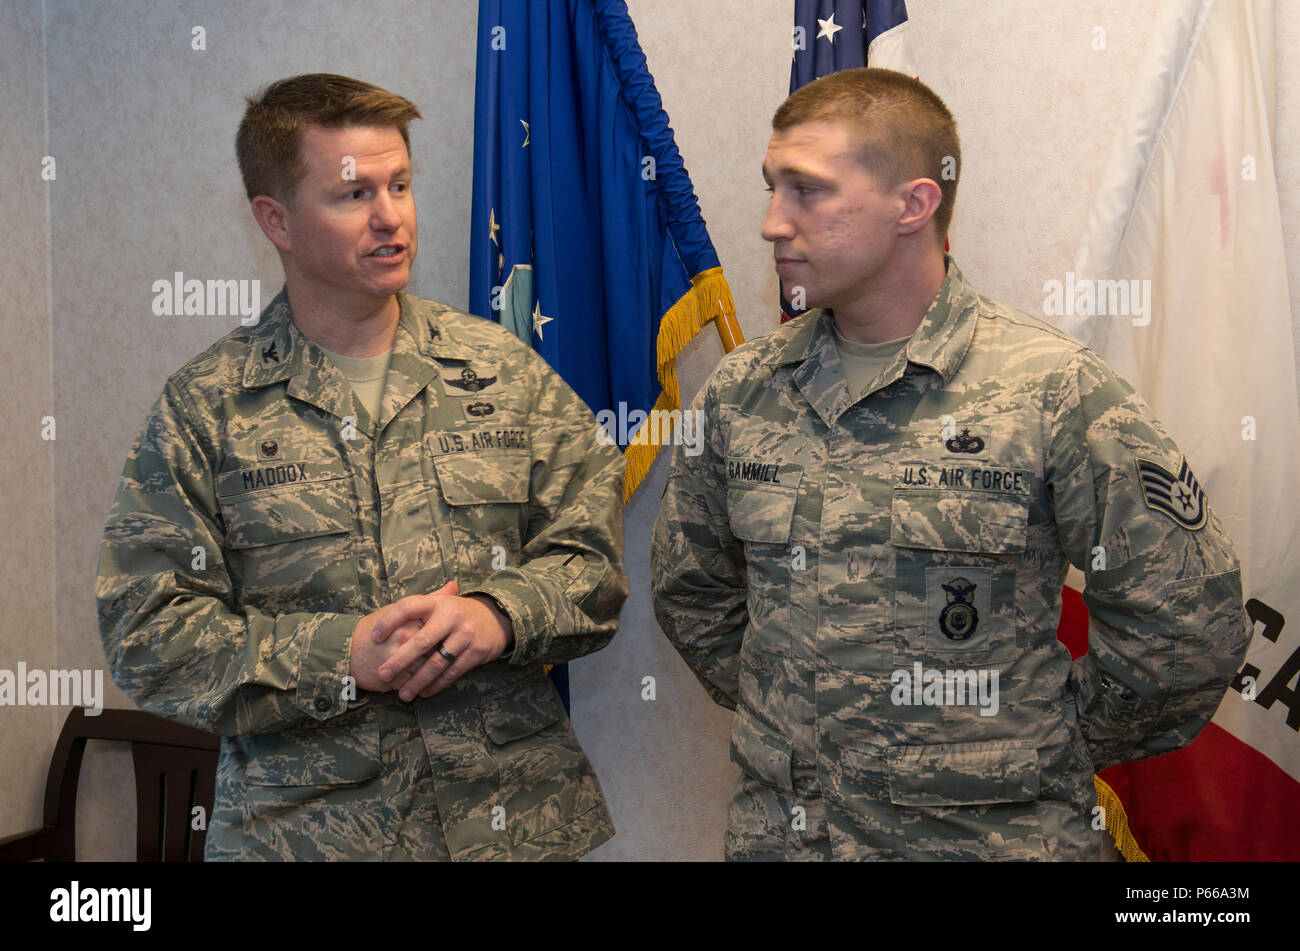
[(1117, 822), (708, 299)]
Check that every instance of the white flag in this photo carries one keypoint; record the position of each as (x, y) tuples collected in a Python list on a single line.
[(1186, 229)]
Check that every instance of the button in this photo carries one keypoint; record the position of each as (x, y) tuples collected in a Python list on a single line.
[(323, 703)]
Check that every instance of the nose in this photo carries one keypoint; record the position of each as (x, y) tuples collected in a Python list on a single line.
[(384, 215), (777, 225)]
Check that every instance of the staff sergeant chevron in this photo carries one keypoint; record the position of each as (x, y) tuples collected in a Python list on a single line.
[(1178, 496)]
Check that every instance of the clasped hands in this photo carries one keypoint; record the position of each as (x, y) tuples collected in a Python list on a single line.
[(398, 646)]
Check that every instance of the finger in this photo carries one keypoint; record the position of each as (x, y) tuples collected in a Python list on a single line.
[(450, 674), (407, 631), (432, 633), (412, 607), (435, 667), (404, 677)]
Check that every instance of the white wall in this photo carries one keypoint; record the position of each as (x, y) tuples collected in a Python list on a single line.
[(26, 460)]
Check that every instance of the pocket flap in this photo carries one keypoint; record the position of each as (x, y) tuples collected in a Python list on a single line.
[(272, 516), (522, 710), (958, 521), (963, 774), (761, 514), (331, 755), (478, 478)]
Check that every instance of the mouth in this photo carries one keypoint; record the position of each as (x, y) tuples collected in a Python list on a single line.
[(388, 252)]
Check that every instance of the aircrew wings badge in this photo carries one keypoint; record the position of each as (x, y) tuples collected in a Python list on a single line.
[(470, 381), (1178, 496)]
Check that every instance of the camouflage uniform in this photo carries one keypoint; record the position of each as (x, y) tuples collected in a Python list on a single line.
[(822, 545), (482, 467)]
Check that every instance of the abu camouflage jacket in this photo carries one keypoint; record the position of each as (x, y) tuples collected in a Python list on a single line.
[(873, 581), (263, 511)]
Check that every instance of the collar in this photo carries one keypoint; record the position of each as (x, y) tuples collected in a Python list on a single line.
[(278, 350), (940, 341)]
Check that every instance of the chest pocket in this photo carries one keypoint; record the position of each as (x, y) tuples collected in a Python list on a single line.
[(484, 497), (956, 554), (761, 514), (289, 546), (761, 509)]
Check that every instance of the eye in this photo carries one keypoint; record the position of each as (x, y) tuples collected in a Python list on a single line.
[(402, 186), (355, 194)]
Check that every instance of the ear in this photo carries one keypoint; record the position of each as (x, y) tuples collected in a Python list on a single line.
[(273, 218), (921, 199)]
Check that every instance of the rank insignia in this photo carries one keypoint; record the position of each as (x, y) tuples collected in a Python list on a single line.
[(1178, 496), (959, 618)]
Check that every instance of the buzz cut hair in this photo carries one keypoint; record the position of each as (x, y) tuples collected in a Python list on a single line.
[(268, 144), (902, 128)]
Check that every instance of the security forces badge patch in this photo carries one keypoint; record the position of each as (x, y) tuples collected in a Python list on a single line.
[(959, 618), (958, 606), (1178, 496)]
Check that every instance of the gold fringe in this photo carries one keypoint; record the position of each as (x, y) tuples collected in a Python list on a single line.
[(1117, 822), (708, 299)]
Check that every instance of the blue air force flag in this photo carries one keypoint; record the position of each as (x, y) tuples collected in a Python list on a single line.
[(587, 239)]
